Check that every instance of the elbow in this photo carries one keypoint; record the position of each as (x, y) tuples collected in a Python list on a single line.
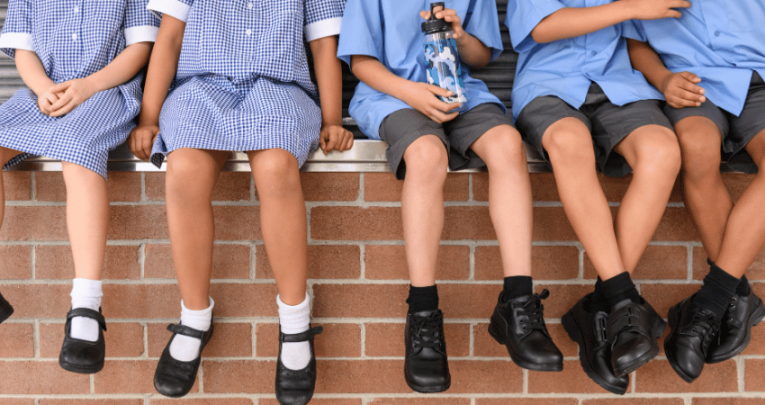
[(541, 36)]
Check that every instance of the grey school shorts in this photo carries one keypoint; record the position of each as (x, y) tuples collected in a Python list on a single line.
[(401, 128), (608, 123), (736, 131)]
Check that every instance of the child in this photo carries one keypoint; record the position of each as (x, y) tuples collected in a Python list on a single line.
[(80, 64), (240, 82), (382, 42), (578, 101), (711, 69)]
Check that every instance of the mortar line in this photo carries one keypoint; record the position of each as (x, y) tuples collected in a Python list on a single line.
[(362, 262), (690, 262), (471, 263), (253, 262), (143, 188), (471, 197), (33, 261), (363, 329), (36, 338), (145, 338), (360, 197), (33, 185)]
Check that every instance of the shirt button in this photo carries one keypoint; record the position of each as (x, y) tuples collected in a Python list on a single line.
[(249, 5), (717, 33), (74, 37), (248, 32), (594, 53)]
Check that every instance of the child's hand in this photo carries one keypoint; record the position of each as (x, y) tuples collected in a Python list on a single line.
[(422, 97), (681, 90), (75, 92), (335, 137), (450, 16), (46, 100), (142, 140), (656, 9)]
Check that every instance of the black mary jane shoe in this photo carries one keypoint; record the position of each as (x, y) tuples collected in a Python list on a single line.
[(743, 312), (175, 378), (426, 367), (6, 310), (83, 356), (692, 330), (519, 325), (296, 387), (633, 330)]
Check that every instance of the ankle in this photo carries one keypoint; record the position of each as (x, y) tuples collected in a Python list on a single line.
[(422, 298)]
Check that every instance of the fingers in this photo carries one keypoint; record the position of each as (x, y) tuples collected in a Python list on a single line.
[(690, 77), (688, 95), (425, 15), (679, 102), (439, 91), (332, 141), (680, 4), (441, 117), (44, 105), (673, 14), (64, 100), (323, 142), (61, 87), (65, 109), (147, 142), (348, 142)]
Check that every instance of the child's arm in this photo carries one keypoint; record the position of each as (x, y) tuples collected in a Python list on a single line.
[(573, 22), (33, 74), (329, 77), (680, 89), (471, 50), (124, 67), (420, 96), (162, 68)]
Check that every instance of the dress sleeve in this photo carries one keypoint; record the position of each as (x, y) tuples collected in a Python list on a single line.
[(484, 25), (523, 16), (362, 31), (175, 8), (141, 25), (633, 29), (323, 18), (17, 30)]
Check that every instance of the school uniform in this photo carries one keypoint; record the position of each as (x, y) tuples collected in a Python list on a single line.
[(74, 39), (390, 31), (243, 82), (589, 78), (723, 43)]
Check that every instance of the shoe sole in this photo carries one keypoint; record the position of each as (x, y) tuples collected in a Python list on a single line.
[(569, 324), (672, 362), (660, 327), (5, 312), (757, 316), (80, 370), (520, 362), (428, 389)]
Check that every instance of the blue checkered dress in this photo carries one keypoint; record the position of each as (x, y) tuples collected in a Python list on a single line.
[(242, 82), (74, 39)]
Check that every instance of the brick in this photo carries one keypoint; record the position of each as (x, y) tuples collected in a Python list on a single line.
[(252, 376), (122, 339), (485, 377), (388, 262), (634, 401), (49, 186), (664, 296), (244, 300), (229, 340), (757, 344), (359, 300), (657, 263), (728, 401), (231, 186), (51, 401), (56, 262), (755, 272), (38, 300), (237, 223), (737, 183), (387, 339), (355, 223), (551, 224), (543, 187), (18, 340), (204, 401), (18, 401), (330, 186), (40, 378), (420, 401), (124, 186), (658, 376), (571, 380), (317, 401), (676, 225), (547, 263), (16, 263), (137, 222), (18, 186), (526, 401), (385, 187), (324, 262), (229, 262), (34, 223), (472, 223), (111, 380), (338, 340), (754, 370), (485, 346), (141, 301)]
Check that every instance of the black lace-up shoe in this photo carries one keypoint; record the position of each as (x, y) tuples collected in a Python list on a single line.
[(743, 312), (588, 329), (175, 378), (633, 330), (295, 387), (83, 356), (692, 331), (520, 326), (425, 367), (6, 310)]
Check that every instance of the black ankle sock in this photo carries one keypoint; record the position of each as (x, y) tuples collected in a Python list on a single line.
[(516, 286), (422, 298), (743, 288), (619, 288), (597, 301), (719, 287)]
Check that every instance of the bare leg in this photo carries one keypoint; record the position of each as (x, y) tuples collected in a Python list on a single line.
[(502, 150), (422, 207)]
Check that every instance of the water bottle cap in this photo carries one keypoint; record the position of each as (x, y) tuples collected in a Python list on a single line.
[(435, 24)]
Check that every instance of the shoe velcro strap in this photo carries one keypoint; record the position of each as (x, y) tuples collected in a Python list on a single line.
[(301, 337), (186, 331), (87, 313)]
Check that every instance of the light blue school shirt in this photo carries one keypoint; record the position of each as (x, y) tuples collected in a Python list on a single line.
[(721, 41), (389, 30), (566, 68)]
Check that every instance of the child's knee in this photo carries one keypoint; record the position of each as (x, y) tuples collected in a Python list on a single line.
[(275, 171), (187, 180), (659, 155), (505, 150), (567, 147), (426, 159)]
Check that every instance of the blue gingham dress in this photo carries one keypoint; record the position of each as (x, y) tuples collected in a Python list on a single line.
[(243, 82), (74, 39)]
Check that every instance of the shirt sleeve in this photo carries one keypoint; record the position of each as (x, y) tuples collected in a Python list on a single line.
[(633, 29), (523, 16), (141, 25), (484, 25), (362, 31), (17, 30), (323, 18), (176, 8)]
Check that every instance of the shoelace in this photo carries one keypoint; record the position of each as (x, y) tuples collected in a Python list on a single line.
[(427, 331), (534, 311), (705, 326)]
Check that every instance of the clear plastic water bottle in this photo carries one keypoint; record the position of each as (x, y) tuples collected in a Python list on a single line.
[(442, 63)]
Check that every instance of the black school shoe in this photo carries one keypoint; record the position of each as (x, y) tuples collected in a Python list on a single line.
[(588, 329), (743, 312), (692, 331), (520, 326), (295, 387), (426, 368), (6, 310), (83, 356), (175, 378), (633, 330)]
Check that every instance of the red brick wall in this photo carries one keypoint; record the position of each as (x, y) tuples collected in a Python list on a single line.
[(358, 281)]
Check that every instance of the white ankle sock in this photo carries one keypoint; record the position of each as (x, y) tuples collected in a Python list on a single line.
[(186, 348), (85, 294), (295, 319)]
